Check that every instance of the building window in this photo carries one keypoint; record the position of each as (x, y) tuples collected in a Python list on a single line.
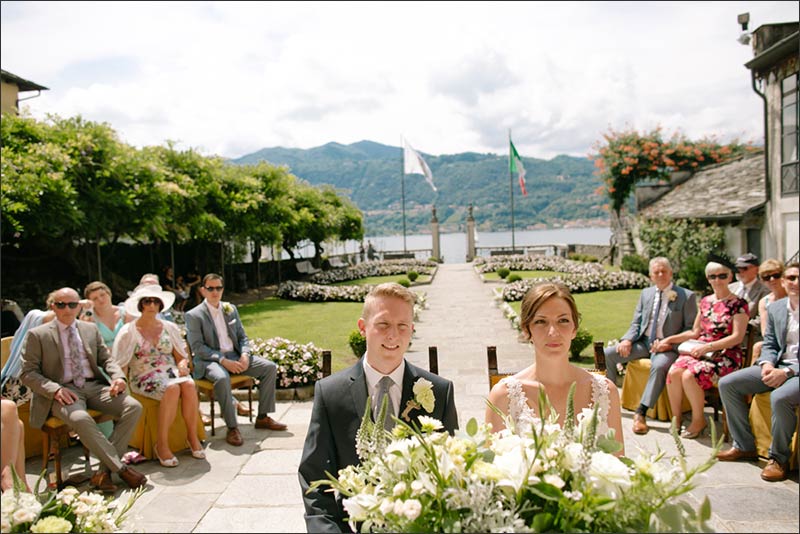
[(790, 141)]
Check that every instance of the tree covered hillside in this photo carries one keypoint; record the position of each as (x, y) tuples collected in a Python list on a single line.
[(561, 191)]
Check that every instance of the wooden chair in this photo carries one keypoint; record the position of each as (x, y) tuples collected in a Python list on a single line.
[(496, 376), (433, 360), (206, 387), (54, 432)]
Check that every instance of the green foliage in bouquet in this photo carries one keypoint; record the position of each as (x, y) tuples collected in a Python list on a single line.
[(65, 511), (545, 478)]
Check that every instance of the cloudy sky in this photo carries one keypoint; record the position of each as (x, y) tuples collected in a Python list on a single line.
[(230, 78)]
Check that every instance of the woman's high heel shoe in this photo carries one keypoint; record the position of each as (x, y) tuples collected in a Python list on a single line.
[(200, 454), (169, 462), (694, 435)]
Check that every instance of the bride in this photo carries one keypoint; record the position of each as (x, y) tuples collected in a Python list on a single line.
[(549, 319)]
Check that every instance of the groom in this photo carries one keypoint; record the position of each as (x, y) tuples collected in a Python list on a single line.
[(387, 322)]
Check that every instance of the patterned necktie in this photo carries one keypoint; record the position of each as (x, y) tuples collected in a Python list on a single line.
[(75, 357), (383, 390), (654, 326)]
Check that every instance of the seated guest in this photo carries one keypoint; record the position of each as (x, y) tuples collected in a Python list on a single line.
[(771, 273), (12, 446), (61, 363), (108, 317), (12, 388), (159, 367), (748, 286), (663, 310), (719, 327), (776, 370)]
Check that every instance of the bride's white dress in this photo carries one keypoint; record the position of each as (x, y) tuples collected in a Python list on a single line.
[(524, 416)]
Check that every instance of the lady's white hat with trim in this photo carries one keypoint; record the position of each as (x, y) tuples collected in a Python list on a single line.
[(132, 303)]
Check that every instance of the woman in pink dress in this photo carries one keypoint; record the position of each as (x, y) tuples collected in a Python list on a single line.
[(159, 367), (719, 329)]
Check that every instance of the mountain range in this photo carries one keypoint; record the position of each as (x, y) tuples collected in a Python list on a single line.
[(561, 191)]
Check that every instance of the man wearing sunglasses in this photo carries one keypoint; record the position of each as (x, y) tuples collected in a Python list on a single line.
[(61, 364), (220, 348), (748, 286), (776, 370)]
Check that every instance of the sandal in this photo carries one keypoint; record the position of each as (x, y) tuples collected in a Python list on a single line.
[(169, 462), (200, 454)]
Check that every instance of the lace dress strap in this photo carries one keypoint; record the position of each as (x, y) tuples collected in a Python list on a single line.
[(600, 397), (520, 413)]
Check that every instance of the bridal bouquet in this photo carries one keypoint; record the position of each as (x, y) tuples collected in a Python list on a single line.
[(548, 478), (65, 511)]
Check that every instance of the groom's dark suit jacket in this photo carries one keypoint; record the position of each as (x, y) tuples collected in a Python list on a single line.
[(339, 403)]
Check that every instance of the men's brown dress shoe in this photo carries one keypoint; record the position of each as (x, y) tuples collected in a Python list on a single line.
[(775, 471), (234, 437), (640, 424), (133, 478), (242, 410), (269, 423), (734, 455), (102, 480)]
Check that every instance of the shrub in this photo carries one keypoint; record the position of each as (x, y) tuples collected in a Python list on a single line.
[(582, 340), (358, 343), (298, 364), (502, 272), (636, 264), (693, 274), (513, 278), (413, 275), (588, 258), (404, 282)]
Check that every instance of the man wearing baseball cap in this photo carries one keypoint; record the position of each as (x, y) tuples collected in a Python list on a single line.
[(749, 287)]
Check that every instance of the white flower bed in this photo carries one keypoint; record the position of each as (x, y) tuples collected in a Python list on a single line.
[(605, 281), (536, 263), (375, 268)]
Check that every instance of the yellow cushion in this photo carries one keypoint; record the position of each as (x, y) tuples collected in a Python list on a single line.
[(637, 373), (761, 424), (145, 436)]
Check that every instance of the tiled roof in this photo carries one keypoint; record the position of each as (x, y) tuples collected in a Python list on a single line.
[(723, 191)]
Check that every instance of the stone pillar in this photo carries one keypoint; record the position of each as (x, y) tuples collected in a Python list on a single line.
[(470, 235), (435, 245)]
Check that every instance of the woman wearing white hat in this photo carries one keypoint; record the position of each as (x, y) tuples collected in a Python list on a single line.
[(159, 366)]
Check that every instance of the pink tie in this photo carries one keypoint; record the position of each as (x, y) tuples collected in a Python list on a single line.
[(75, 352)]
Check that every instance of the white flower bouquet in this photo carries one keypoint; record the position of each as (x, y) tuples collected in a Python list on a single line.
[(65, 511), (546, 479)]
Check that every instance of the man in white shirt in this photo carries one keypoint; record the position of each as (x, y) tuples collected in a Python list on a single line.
[(221, 348), (776, 370)]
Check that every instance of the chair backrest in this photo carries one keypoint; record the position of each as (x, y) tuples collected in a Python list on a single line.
[(5, 349), (494, 375), (326, 363), (749, 342), (433, 360)]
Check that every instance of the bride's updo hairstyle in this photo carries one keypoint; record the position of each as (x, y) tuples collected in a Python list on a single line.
[(538, 295)]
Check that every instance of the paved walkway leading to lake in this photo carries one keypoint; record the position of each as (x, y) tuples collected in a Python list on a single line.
[(254, 488)]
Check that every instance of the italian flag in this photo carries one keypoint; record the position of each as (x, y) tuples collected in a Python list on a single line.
[(515, 166)]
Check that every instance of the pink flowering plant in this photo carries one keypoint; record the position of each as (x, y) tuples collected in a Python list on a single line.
[(298, 364)]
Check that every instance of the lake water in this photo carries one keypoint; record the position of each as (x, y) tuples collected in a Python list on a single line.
[(454, 246)]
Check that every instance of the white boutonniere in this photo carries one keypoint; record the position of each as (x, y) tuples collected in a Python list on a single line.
[(227, 309), (423, 398), (672, 295)]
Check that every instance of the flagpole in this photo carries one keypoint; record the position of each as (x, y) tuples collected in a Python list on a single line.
[(511, 190), (403, 186)]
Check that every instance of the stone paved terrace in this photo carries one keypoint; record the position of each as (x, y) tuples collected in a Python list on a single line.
[(254, 488)]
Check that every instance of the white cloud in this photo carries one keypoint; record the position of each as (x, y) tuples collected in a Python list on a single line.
[(230, 78)]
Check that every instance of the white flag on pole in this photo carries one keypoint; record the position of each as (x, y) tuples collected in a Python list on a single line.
[(414, 164)]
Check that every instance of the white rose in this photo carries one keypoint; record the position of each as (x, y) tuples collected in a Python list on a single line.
[(412, 508), (608, 474), (573, 456)]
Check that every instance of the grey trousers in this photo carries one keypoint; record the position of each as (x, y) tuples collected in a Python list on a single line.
[(123, 408), (260, 368), (659, 365), (784, 400)]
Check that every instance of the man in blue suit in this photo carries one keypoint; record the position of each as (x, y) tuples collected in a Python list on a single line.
[(220, 348), (387, 322), (776, 370), (664, 309)]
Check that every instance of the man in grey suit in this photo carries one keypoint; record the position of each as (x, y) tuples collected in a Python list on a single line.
[(61, 364), (776, 370), (220, 348), (340, 400), (748, 286), (664, 309)]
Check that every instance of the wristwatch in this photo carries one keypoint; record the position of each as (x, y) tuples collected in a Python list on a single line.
[(789, 372)]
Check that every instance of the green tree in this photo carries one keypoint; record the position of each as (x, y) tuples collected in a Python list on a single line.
[(679, 239)]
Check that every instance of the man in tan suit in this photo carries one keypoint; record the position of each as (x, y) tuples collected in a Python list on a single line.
[(61, 364)]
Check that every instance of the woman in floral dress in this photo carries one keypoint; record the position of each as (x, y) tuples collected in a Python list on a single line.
[(719, 328), (159, 367)]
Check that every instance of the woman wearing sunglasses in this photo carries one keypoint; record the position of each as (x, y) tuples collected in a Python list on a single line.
[(159, 367), (719, 328), (770, 273)]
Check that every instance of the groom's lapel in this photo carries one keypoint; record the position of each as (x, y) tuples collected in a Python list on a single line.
[(409, 377), (358, 388)]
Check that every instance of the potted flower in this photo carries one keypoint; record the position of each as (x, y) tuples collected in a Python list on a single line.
[(299, 365)]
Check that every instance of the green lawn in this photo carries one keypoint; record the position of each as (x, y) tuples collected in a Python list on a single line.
[(606, 314), (326, 324)]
